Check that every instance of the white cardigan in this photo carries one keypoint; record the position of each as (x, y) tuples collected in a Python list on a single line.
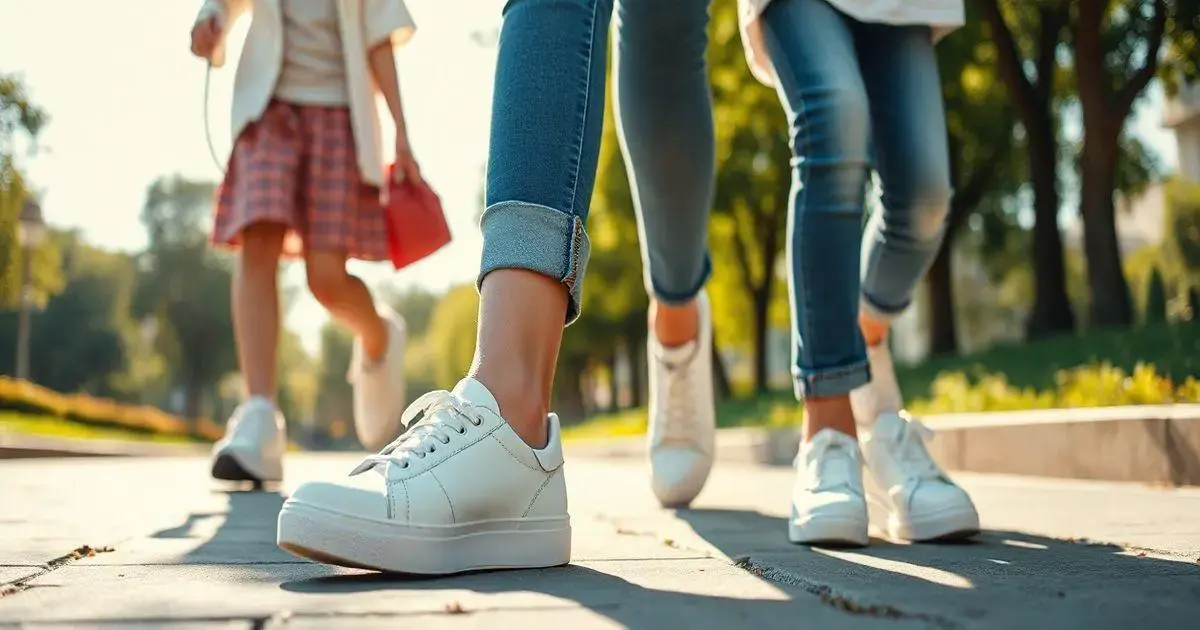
[(363, 24), (943, 16)]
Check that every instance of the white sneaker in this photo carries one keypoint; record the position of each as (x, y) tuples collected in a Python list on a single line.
[(458, 491), (828, 506), (254, 443), (682, 414), (922, 502), (379, 387)]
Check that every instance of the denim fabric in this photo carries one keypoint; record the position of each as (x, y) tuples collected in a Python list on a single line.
[(853, 91), (547, 116)]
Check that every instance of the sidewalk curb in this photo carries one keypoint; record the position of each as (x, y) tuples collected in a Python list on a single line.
[(1158, 444), (22, 446)]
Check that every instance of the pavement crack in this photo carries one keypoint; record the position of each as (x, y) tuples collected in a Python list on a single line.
[(12, 587), (828, 596)]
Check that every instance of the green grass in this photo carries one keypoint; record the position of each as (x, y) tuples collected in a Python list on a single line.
[(1174, 350), (51, 426)]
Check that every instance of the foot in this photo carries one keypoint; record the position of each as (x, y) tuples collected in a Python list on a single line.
[(922, 502), (458, 491), (828, 505), (254, 443), (682, 414), (379, 387)]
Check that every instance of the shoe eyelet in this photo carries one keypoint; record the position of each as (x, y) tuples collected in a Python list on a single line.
[(446, 441), (462, 430)]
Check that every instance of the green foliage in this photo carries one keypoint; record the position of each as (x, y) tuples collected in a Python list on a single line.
[(1100, 385), (1155, 305), (334, 398), (452, 334), (1151, 364), (1182, 229), (185, 287), (26, 398)]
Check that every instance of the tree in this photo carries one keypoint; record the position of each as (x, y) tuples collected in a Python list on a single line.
[(753, 181), (334, 398), (985, 156), (1034, 97), (186, 288), (21, 120), (1118, 50), (452, 334)]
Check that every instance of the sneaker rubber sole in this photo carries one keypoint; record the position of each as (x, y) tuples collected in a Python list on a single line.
[(330, 537)]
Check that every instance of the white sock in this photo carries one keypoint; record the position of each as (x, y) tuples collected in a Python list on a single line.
[(882, 394)]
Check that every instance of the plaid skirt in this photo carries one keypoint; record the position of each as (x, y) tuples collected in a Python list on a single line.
[(296, 166)]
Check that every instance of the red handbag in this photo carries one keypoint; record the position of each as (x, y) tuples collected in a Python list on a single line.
[(416, 225)]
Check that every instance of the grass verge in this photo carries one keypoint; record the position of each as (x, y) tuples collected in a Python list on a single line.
[(1027, 369)]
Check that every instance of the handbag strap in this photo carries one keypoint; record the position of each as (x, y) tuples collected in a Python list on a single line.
[(212, 151)]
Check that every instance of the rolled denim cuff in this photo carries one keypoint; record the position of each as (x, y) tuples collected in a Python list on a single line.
[(831, 381), (878, 312), (520, 235), (675, 297)]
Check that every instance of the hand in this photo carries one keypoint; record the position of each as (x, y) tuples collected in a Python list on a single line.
[(206, 34), (405, 169)]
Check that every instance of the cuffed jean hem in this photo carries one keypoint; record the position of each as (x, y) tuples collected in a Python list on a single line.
[(521, 235), (831, 381), (878, 312), (679, 298)]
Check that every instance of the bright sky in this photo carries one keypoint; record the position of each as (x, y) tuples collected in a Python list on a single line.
[(125, 98)]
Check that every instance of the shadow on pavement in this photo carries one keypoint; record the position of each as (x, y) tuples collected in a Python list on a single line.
[(244, 533), (622, 601), (1003, 579)]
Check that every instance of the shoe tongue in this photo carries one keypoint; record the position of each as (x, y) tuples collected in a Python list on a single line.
[(676, 355), (477, 393)]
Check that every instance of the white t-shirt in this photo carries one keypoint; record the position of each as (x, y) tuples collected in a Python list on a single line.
[(314, 69), (943, 16)]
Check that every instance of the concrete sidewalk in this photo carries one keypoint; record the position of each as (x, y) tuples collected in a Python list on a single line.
[(188, 553)]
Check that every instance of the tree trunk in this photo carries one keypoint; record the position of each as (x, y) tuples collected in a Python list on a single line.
[(1051, 307), (720, 374), (614, 386), (193, 401), (762, 303), (635, 340), (943, 333), (1110, 303), (568, 394)]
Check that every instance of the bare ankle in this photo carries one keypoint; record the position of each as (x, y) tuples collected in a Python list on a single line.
[(674, 325), (521, 404), (828, 412), (874, 331)]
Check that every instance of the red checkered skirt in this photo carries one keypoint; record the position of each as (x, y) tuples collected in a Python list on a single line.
[(297, 166)]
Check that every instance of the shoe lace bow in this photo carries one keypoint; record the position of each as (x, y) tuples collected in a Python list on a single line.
[(428, 421)]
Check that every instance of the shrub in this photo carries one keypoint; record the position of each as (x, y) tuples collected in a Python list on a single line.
[(26, 397), (1101, 385)]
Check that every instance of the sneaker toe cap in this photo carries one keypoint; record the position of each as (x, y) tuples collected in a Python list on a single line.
[(678, 474), (938, 498), (345, 499)]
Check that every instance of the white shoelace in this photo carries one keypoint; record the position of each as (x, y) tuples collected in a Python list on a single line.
[(912, 456), (832, 468), (680, 399), (429, 421)]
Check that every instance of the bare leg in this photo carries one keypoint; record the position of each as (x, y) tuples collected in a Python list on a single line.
[(347, 299), (256, 307), (513, 335), (674, 325)]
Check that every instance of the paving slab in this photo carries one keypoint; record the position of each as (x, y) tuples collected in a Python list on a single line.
[(189, 553)]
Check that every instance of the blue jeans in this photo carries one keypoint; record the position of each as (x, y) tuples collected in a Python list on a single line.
[(858, 97), (547, 118)]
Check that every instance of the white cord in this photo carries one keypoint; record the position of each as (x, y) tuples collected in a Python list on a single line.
[(212, 151)]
